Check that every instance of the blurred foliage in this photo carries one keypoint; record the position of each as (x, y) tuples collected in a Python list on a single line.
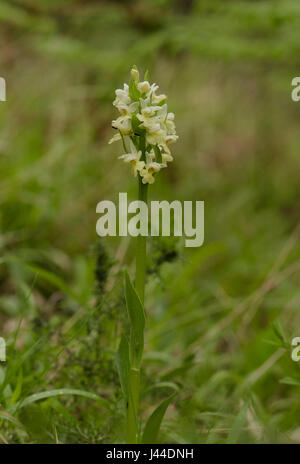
[(221, 317)]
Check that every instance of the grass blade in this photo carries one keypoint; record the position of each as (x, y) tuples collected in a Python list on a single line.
[(56, 282), (153, 424), (58, 392), (5, 416)]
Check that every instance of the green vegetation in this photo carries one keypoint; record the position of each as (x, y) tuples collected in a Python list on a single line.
[(220, 318)]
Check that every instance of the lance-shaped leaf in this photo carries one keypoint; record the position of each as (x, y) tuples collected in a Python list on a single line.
[(153, 424), (136, 315), (123, 365)]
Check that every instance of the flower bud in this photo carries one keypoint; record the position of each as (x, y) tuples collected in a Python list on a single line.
[(135, 74)]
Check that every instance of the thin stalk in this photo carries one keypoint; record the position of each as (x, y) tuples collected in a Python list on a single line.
[(141, 250), (133, 402), (141, 240), (134, 376)]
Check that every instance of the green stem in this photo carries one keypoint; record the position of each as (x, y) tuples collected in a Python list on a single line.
[(141, 250), (133, 402), (134, 376)]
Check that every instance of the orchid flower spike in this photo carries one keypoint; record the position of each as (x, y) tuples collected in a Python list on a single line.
[(145, 121)]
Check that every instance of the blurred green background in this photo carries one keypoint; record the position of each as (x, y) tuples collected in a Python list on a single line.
[(221, 317)]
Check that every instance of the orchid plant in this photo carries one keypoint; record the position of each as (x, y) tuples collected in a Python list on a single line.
[(147, 126)]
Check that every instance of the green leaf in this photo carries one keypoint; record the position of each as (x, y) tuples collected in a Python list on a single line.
[(163, 385), (153, 424), (18, 390), (4, 415), (134, 92), (146, 76), (136, 316), (55, 281), (135, 122), (123, 365), (157, 154), (290, 381), (279, 332), (58, 392)]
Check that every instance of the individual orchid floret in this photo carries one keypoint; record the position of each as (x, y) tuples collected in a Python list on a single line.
[(144, 87), (123, 124), (115, 138), (145, 121), (149, 170), (134, 159), (166, 158)]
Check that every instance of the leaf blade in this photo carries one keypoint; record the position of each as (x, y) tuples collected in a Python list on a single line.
[(137, 320), (153, 424), (123, 366), (58, 392)]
